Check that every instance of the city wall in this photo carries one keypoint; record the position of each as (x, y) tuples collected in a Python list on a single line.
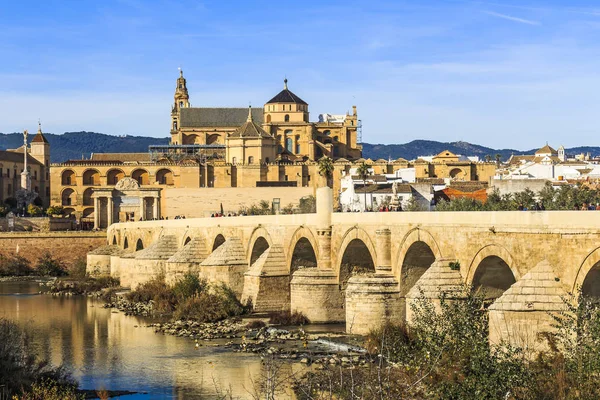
[(66, 246)]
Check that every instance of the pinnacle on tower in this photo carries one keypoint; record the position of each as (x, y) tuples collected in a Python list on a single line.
[(249, 119), (285, 84)]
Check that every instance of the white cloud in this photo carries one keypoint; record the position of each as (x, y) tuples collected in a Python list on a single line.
[(511, 18)]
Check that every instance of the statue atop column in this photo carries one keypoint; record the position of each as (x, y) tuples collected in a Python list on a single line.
[(25, 196)]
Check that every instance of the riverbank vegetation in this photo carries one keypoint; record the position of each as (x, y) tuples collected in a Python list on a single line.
[(566, 197), (23, 375), (190, 298), (446, 355), (46, 265)]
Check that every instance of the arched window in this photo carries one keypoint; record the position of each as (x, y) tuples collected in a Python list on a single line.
[(286, 118), (327, 133), (113, 176), (279, 144), (164, 177), (68, 197), (174, 125), (297, 144), (289, 144), (91, 177), (233, 160), (181, 104), (68, 178), (141, 176), (251, 160), (268, 118)]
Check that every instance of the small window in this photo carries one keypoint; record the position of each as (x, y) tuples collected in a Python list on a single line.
[(174, 125), (251, 160), (286, 118), (233, 160), (181, 104), (7, 172)]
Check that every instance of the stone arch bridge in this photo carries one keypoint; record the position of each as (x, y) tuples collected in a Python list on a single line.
[(364, 267)]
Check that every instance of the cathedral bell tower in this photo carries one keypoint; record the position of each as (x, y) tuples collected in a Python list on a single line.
[(182, 100)]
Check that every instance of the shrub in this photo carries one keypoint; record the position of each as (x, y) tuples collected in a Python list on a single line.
[(78, 270), (188, 286), (49, 266), (14, 266), (34, 211), (19, 369), (209, 306), (3, 211), (55, 210), (156, 290), (288, 318), (48, 389)]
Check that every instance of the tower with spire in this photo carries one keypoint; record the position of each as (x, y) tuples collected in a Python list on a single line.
[(181, 100)]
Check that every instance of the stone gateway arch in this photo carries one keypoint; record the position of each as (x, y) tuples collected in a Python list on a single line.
[(365, 268)]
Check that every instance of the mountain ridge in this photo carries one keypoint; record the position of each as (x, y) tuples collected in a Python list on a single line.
[(75, 145)]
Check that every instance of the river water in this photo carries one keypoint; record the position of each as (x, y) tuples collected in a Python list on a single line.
[(105, 349)]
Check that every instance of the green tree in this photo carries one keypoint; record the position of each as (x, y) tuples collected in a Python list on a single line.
[(325, 166), (363, 171)]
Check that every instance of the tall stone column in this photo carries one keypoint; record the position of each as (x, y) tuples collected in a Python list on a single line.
[(96, 213), (142, 209), (384, 251), (324, 243), (109, 211), (155, 208)]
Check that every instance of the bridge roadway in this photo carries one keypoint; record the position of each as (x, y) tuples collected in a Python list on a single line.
[(361, 267)]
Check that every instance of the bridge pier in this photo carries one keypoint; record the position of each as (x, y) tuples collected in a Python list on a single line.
[(267, 282), (372, 301), (315, 292), (525, 310), (227, 265), (438, 278)]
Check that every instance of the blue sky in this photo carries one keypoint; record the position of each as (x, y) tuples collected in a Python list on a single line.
[(502, 74)]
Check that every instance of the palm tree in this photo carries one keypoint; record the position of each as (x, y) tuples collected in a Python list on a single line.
[(363, 172), (326, 168)]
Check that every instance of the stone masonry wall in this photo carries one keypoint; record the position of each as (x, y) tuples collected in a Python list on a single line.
[(66, 246)]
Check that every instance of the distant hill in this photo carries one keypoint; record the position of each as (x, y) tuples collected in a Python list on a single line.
[(74, 145), (416, 148)]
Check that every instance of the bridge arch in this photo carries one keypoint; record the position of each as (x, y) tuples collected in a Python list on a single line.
[(492, 250), (417, 251), (139, 245), (588, 275), (260, 241), (304, 238), (356, 245), (218, 240)]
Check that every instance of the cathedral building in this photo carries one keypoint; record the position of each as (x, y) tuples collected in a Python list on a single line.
[(254, 154)]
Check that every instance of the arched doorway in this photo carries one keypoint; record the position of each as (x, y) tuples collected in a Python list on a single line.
[(139, 245), (493, 277), (260, 246), (303, 255), (355, 260), (87, 197), (455, 173), (219, 240), (68, 197)]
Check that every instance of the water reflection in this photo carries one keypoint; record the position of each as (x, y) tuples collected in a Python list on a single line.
[(106, 349)]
